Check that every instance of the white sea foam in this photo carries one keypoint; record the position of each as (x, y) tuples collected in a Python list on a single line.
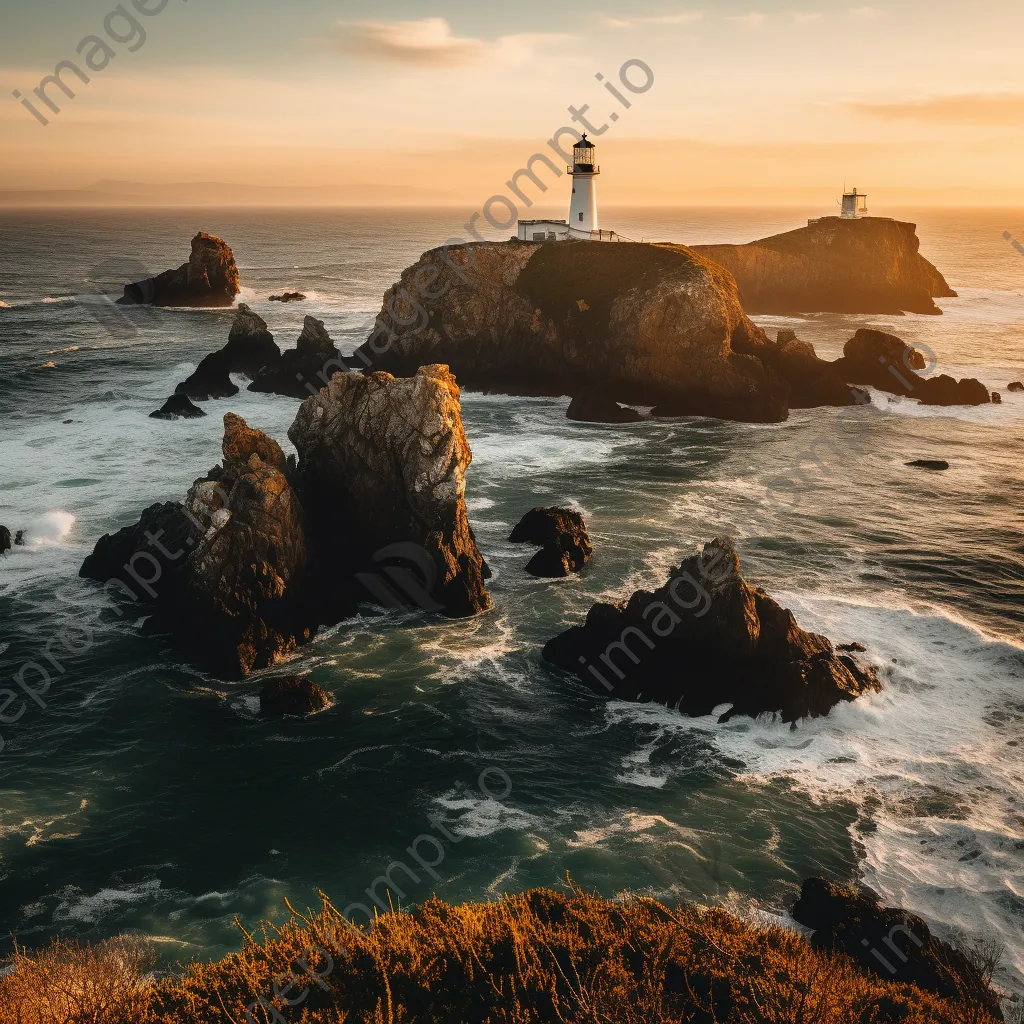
[(932, 761), (49, 530)]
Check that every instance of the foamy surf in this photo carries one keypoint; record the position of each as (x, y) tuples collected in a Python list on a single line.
[(932, 762)]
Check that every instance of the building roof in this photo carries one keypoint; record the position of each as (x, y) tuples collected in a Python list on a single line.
[(584, 143)]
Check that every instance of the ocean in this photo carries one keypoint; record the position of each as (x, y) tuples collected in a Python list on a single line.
[(139, 795)]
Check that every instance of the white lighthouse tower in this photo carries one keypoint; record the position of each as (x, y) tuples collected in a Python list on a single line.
[(583, 204)]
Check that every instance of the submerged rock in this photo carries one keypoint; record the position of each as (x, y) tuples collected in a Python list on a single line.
[(888, 363), (177, 407), (936, 465), (1015, 386), (708, 638), (288, 297), (5, 540), (302, 371), (595, 407), (382, 468), (871, 265), (292, 695), (561, 534), (642, 324), (210, 278), (890, 943), (996, 398), (20, 539)]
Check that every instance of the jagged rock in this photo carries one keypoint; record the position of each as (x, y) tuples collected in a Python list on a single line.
[(854, 648), (812, 381), (645, 324), (705, 639), (1015, 386), (834, 266), (561, 534), (210, 278), (5, 540), (211, 379), (891, 943), (20, 539), (886, 362), (997, 398), (384, 460), (228, 565), (288, 297), (302, 371), (594, 407), (292, 695), (251, 348), (178, 407), (937, 465)]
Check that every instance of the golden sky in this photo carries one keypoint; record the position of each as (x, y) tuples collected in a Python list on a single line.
[(770, 101)]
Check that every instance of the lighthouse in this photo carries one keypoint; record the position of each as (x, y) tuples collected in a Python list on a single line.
[(583, 203)]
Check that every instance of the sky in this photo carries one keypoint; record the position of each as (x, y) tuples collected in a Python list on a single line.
[(444, 101)]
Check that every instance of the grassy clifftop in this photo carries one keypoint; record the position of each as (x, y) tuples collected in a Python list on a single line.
[(540, 956)]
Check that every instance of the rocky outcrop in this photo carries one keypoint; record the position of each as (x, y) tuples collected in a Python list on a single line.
[(292, 695), (178, 407), (708, 638), (645, 324), (263, 551), (384, 460), (250, 350), (224, 572), (210, 278), (302, 371), (288, 297), (888, 363), (5, 540), (561, 534), (812, 381), (871, 265), (1015, 386), (935, 465), (595, 407), (891, 943)]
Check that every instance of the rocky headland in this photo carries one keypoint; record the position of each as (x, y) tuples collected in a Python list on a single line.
[(209, 278), (705, 639), (871, 265), (264, 550)]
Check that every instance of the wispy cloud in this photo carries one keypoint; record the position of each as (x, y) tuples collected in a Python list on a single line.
[(430, 42), (866, 13), (679, 18), (966, 108), (753, 19)]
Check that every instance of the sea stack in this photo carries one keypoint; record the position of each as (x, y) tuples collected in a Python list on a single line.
[(209, 278)]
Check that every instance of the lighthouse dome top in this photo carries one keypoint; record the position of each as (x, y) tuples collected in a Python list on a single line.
[(584, 143)]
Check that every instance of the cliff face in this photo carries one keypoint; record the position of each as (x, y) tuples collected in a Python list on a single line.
[(209, 278), (647, 324), (840, 266), (384, 461)]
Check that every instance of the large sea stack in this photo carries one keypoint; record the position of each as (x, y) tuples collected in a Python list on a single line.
[(645, 324), (705, 639), (210, 278), (833, 265), (264, 551)]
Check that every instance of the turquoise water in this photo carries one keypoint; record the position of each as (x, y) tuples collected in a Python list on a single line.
[(147, 797)]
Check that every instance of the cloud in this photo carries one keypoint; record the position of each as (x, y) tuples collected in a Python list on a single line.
[(968, 108), (679, 18), (802, 17), (866, 13), (430, 42), (751, 20)]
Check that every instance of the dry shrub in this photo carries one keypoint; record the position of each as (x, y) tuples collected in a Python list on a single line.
[(541, 956), (68, 983)]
